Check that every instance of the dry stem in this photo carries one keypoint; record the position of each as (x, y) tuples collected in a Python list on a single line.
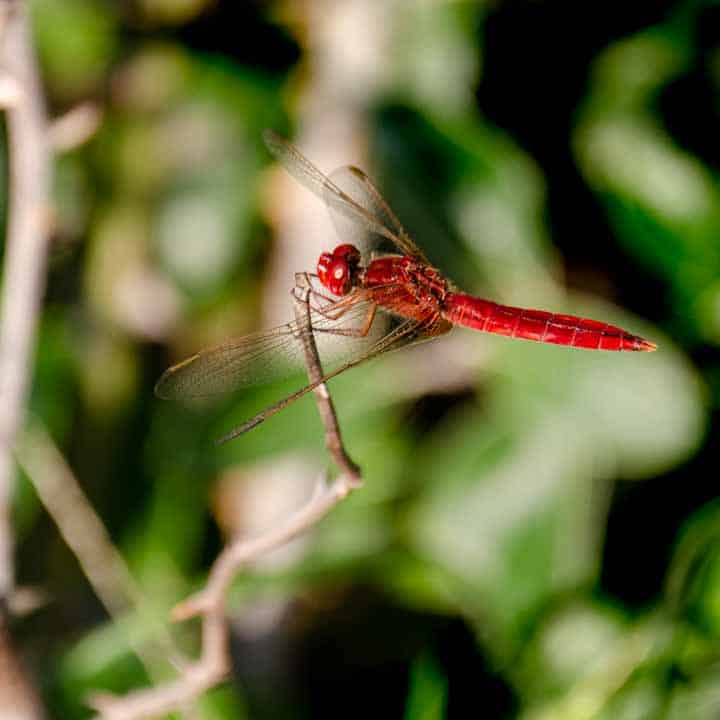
[(83, 531), (22, 288), (209, 603), (25, 254), (213, 663)]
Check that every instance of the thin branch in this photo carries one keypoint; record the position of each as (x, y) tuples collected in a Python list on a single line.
[(209, 603), (79, 525), (83, 531), (75, 127), (22, 288), (213, 663), (25, 254), (333, 438), (11, 92)]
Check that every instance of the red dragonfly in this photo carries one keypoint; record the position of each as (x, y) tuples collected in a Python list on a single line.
[(353, 290)]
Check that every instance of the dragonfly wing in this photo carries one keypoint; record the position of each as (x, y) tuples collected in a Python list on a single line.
[(406, 332), (357, 185), (266, 356), (358, 210)]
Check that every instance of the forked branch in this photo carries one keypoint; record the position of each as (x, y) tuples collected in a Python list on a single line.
[(210, 603)]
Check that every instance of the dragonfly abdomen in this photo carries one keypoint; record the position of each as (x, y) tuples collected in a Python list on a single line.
[(539, 325)]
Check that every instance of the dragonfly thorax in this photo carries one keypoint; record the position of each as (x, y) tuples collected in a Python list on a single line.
[(337, 270)]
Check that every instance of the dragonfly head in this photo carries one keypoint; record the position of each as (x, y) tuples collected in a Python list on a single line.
[(337, 270)]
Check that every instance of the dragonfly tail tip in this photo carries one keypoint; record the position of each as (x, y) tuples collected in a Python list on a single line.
[(644, 345)]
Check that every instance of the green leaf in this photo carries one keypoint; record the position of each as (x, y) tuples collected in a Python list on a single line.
[(427, 697)]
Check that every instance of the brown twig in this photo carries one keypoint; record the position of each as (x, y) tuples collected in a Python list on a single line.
[(76, 520), (209, 603), (26, 248), (213, 663), (22, 288), (75, 127), (333, 439), (83, 531)]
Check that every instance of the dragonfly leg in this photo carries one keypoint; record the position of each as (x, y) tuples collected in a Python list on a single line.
[(304, 279), (359, 332), (364, 329), (329, 307), (303, 296), (319, 303), (312, 281), (309, 281), (324, 303)]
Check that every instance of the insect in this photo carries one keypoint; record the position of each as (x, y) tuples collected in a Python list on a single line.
[(351, 291)]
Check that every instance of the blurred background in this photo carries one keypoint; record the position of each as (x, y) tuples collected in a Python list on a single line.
[(538, 536)]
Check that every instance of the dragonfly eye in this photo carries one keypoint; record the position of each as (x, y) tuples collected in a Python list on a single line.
[(323, 267), (336, 271), (347, 252), (339, 280)]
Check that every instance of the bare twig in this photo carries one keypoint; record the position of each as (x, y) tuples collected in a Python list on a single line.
[(24, 272), (75, 127), (209, 603), (83, 531), (76, 520), (11, 92), (333, 439), (213, 663), (22, 288)]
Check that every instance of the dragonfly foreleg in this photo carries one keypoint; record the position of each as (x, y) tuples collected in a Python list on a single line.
[(307, 280), (359, 332), (304, 296), (327, 306), (333, 309), (317, 302), (330, 308), (304, 282)]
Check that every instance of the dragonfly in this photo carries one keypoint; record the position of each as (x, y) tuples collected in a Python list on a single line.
[(376, 301)]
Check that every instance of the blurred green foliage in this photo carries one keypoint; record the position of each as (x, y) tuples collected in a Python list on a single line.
[(491, 504)]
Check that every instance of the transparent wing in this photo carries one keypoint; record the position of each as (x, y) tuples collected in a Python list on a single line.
[(266, 356), (356, 206), (406, 333), (354, 183), (278, 353)]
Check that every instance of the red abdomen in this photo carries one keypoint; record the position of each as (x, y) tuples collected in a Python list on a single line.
[(539, 325)]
